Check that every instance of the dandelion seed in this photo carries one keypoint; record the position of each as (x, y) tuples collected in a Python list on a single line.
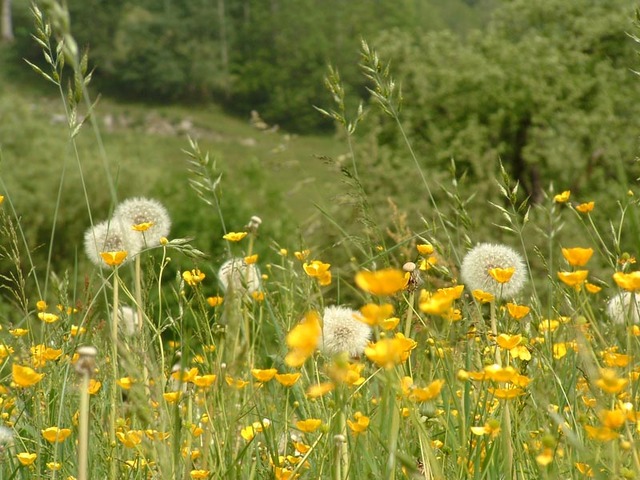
[(343, 330), (146, 218), (485, 257), (235, 275), (624, 308), (109, 237)]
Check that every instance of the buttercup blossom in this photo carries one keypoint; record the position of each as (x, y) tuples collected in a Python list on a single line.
[(343, 330), (109, 236), (624, 306), (237, 276), (486, 257), (146, 218)]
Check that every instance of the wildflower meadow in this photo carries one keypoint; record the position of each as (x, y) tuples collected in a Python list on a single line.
[(439, 352)]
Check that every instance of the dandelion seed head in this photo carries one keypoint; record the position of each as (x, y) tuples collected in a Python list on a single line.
[(109, 236), (485, 256), (6, 437), (238, 276), (128, 320), (343, 332), (140, 210), (624, 307)]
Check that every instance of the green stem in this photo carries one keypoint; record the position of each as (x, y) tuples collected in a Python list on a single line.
[(114, 369), (83, 441)]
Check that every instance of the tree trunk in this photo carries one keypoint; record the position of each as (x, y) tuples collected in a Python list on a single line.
[(6, 24)]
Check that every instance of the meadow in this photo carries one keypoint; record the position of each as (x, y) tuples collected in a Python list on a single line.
[(236, 310)]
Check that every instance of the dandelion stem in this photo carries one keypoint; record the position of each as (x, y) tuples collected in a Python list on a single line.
[(114, 369), (83, 443)]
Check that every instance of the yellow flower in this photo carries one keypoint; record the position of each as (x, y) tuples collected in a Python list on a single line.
[(602, 434), (26, 458), (215, 301), (19, 332), (585, 207), (237, 383), (559, 350), (501, 275), (113, 259), (613, 419), (577, 257), (125, 383), (185, 376), (48, 317), (193, 277), (130, 438), (430, 392), (172, 397), (520, 352), (517, 311), (25, 376), (613, 359), (388, 281), (360, 423), (287, 379), (628, 281), (609, 381), (425, 249), (389, 323), (508, 341), (259, 296), (388, 352), (302, 256), (548, 325), (319, 271), (55, 434), (591, 288), (482, 296), (545, 458), (373, 314), (199, 474), (54, 466), (251, 259), (234, 236), (584, 468), (491, 428), (439, 303), (506, 393), (1, 199), (142, 227), (204, 381), (562, 197), (320, 389), (573, 279), (76, 330), (500, 374), (309, 425), (41, 354), (41, 305), (264, 375), (303, 339), (248, 433), (94, 386)]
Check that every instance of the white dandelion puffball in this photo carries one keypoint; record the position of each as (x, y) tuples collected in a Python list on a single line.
[(128, 320), (109, 236), (624, 307), (238, 276), (151, 214), (343, 332), (486, 256)]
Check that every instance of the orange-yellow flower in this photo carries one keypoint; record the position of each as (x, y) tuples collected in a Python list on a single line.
[(592, 288), (427, 393), (573, 279), (196, 474), (628, 281), (172, 397), (425, 249), (287, 379), (562, 197), (319, 271), (388, 281), (41, 305), (48, 317), (193, 277), (482, 296), (359, 423), (610, 382), (309, 425), (320, 389), (577, 257), (508, 393), (234, 236), (130, 438), (302, 340), (94, 386), (215, 301), (251, 259), (508, 341), (302, 255), (373, 314), (125, 382), (602, 434), (517, 311), (388, 352), (26, 458), (142, 227), (204, 381), (264, 375), (501, 275), (586, 207), (25, 376), (113, 259), (55, 434), (389, 323)]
